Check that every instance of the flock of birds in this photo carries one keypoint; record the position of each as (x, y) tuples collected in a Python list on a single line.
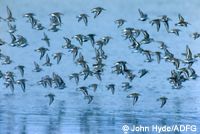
[(182, 72)]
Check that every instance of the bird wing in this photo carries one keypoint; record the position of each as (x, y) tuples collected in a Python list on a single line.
[(36, 65), (9, 12), (163, 102), (188, 53), (141, 13), (181, 19), (13, 37), (158, 56), (23, 86), (85, 20), (51, 99), (47, 59)]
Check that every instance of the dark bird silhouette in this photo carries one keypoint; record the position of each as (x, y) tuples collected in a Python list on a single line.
[(135, 97), (83, 17), (22, 83), (46, 39), (182, 21), (111, 87), (143, 16), (163, 101), (97, 11), (119, 22), (21, 69), (42, 51), (51, 97)]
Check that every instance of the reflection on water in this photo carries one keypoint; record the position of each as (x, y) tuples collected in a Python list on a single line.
[(86, 121)]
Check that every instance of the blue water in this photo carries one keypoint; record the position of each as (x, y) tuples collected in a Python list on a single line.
[(29, 112)]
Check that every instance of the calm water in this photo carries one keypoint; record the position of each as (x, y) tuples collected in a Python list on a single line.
[(29, 113)]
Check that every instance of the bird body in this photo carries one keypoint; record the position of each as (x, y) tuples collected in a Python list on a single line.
[(51, 97)]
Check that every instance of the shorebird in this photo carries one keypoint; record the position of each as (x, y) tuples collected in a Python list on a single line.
[(192, 74), (10, 83), (42, 51), (146, 39), (10, 16), (126, 86), (91, 38), (197, 55), (58, 56), (129, 75), (143, 16), (7, 60), (182, 21), (147, 53), (19, 40), (83, 17), (128, 33), (37, 67), (111, 87), (165, 19), (80, 38), (86, 72), (34, 22), (12, 28), (13, 40), (29, 15), (21, 82), (142, 72), (189, 57), (119, 22), (93, 86), (56, 18), (163, 101), (21, 69), (75, 76), (68, 44), (53, 28), (106, 39), (2, 42), (84, 90), (195, 35), (46, 80), (48, 61), (98, 74), (46, 39), (97, 11), (158, 56), (87, 96), (51, 97), (9, 76), (175, 31), (135, 97), (162, 45), (176, 62), (59, 82), (74, 50), (156, 22), (31, 19)]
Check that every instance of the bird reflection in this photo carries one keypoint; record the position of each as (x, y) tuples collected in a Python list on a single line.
[(23, 126), (55, 121), (85, 126)]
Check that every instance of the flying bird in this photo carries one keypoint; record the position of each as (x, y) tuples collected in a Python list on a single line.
[(51, 97), (97, 11), (135, 97), (163, 101)]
